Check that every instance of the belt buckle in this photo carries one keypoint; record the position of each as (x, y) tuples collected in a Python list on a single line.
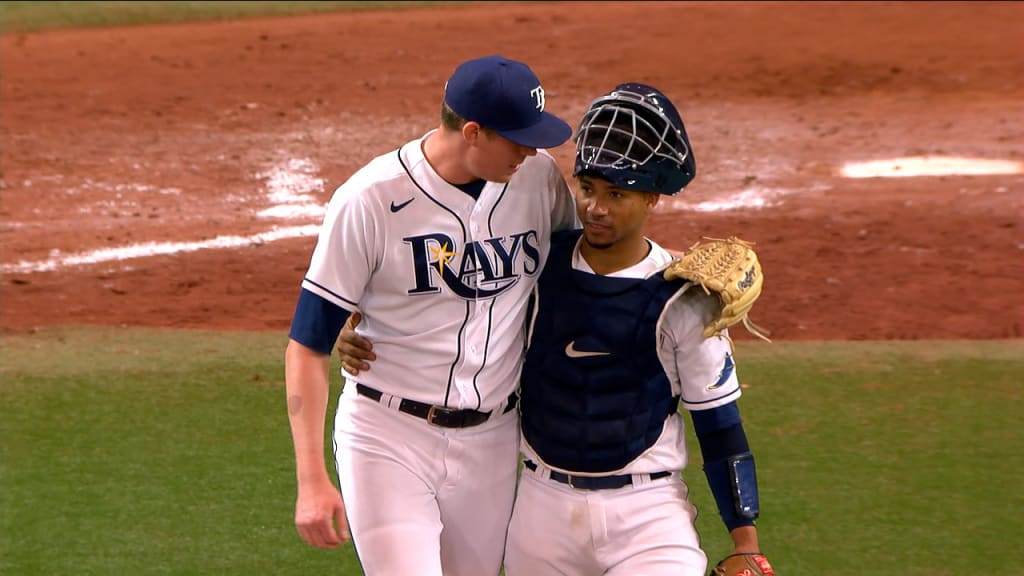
[(434, 410)]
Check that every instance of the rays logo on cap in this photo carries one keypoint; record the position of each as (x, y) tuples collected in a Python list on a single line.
[(723, 376), (538, 94)]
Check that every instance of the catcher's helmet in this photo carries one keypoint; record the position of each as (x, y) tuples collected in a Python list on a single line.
[(634, 138)]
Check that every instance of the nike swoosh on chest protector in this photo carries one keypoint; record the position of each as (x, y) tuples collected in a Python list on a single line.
[(572, 352), (397, 207)]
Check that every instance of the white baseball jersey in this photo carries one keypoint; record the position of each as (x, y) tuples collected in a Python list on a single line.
[(701, 371), (441, 279)]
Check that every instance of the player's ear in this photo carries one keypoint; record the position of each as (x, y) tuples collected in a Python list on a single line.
[(652, 200), (471, 132)]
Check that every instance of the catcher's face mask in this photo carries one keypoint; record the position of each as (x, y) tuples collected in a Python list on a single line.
[(634, 138)]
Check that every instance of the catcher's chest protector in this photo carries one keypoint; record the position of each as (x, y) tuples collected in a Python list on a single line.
[(594, 393)]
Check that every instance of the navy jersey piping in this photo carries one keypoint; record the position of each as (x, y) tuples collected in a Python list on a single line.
[(490, 305), (490, 217), (458, 353), (709, 400), (331, 292), (465, 319), (432, 199), (487, 348)]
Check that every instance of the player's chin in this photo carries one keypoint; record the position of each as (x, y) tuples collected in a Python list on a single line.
[(497, 177), (504, 177), (599, 241), (506, 174)]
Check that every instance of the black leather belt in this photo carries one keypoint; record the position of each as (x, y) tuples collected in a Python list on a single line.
[(439, 415), (595, 482)]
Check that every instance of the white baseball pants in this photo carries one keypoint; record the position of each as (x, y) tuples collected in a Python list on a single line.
[(645, 529), (424, 500)]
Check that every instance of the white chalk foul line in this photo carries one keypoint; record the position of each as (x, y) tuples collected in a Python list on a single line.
[(289, 187), (147, 249)]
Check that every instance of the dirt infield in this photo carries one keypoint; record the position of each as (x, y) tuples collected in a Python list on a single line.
[(117, 137)]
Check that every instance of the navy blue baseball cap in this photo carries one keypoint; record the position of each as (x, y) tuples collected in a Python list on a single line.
[(505, 96)]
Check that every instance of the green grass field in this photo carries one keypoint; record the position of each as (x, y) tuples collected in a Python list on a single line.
[(35, 16), (134, 451)]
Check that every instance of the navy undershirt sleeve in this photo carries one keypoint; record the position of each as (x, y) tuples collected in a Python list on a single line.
[(317, 322), (720, 434), (710, 421)]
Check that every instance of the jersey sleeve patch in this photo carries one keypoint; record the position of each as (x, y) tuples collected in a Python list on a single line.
[(726, 372), (705, 367)]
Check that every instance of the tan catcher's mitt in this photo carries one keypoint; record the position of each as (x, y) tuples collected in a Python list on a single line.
[(730, 269), (743, 565)]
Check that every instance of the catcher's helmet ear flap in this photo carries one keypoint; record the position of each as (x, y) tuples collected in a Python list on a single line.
[(634, 138)]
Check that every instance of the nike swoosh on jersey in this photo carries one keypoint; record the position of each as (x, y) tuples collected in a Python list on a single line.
[(397, 207), (572, 352)]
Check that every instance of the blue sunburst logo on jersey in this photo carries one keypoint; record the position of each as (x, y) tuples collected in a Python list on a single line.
[(723, 376)]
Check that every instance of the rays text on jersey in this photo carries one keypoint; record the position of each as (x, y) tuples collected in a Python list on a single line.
[(480, 269)]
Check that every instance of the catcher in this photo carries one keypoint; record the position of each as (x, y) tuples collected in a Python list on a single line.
[(620, 333)]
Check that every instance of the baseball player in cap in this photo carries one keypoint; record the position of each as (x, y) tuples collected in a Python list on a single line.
[(613, 348), (436, 246)]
